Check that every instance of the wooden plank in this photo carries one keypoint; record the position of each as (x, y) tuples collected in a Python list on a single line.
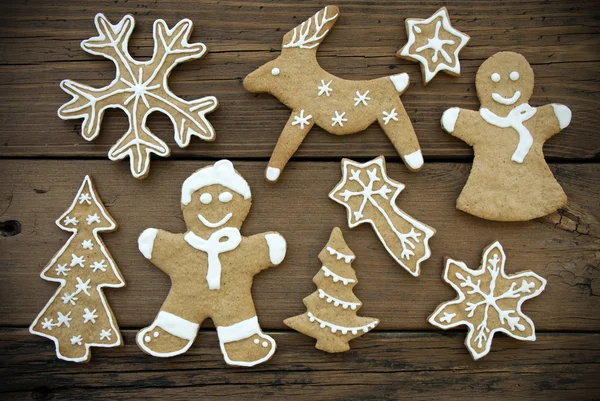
[(382, 366), (560, 40), (563, 247)]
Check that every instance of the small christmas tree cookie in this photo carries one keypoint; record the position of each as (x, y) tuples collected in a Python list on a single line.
[(78, 316), (331, 310), (488, 301)]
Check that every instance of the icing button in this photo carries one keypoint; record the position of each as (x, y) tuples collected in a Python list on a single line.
[(256, 341), (155, 334), (147, 339), (265, 344)]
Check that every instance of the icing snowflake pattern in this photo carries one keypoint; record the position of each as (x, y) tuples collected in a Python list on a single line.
[(139, 89), (387, 117), (361, 98), (301, 120), (488, 301), (324, 88), (338, 119)]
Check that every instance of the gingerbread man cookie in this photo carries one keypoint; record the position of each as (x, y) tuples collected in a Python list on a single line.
[(510, 180), (212, 267), (339, 106)]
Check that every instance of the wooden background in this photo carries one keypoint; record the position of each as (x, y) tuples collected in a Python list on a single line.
[(43, 160)]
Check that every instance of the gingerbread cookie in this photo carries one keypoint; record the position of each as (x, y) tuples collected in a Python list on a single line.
[(211, 267), (510, 180), (78, 316), (488, 301), (369, 196), (339, 106), (435, 44), (139, 89), (331, 310)]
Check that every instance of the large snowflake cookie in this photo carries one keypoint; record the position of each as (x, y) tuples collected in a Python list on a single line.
[(369, 196), (78, 316), (139, 89), (488, 301), (331, 317), (435, 44), (510, 180), (211, 267), (337, 105)]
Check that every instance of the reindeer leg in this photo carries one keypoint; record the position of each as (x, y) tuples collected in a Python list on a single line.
[(291, 137), (397, 126)]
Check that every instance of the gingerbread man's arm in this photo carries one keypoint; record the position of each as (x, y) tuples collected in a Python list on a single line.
[(157, 247), (461, 123), (551, 119), (268, 250)]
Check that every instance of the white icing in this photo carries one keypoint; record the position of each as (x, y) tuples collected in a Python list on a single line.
[(338, 302), (85, 198), (221, 173), (392, 115), (89, 316), (146, 242), (437, 45), (70, 220), (447, 317), (225, 197), (99, 266), (62, 269), (277, 248), (361, 98), (76, 340), (300, 38), (105, 335), (256, 341), (219, 223), (495, 77), (265, 344), (414, 159), (449, 119), (61, 320), (240, 331), (273, 173), (338, 119), (324, 88), (563, 114), (301, 120), (506, 100), (92, 218), (338, 255), (87, 244), (77, 260), (342, 329), (335, 277), (213, 246), (147, 339), (206, 198), (514, 120), (156, 334), (175, 326), (400, 81), (275, 71), (514, 76)]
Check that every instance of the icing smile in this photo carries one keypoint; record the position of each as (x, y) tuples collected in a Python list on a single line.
[(219, 223), (507, 101)]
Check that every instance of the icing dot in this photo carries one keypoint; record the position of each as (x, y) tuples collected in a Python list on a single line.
[(155, 334), (265, 344), (344, 331), (333, 329), (353, 307), (354, 331), (312, 319), (329, 300), (321, 295), (147, 339), (206, 198), (495, 77), (514, 76), (345, 306), (225, 196), (322, 325), (275, 71), (256, 341)]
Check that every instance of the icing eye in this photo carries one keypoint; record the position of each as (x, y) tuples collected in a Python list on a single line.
[(495, 77), (206, 198), (514, 76), (225, 197), (275, 71)]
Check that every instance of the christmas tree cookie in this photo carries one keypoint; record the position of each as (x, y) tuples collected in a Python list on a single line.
[(211, 267), (78, 316), (331, 316), (139, 89), (369, 196), (339, 106), (488, 301), (510, 180)]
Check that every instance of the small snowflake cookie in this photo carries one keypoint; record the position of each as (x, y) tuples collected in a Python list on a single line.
[(139, 89), (331, 317), (339, 106), (369, 196), (78, 316), (488, 301), (211, 267), (510, 180), (435, 44)]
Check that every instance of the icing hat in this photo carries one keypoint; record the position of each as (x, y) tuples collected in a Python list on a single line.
[(221, 173)]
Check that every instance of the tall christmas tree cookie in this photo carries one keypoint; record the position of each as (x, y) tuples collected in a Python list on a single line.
[(369, 196), (488, 301), (139, 89), (78, 316), (331, 317)]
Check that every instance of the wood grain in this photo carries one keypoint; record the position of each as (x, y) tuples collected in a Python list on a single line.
[(427, 366), (564, 247), (40, 47)]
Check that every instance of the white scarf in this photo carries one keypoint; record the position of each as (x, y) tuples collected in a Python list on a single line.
[(213, 246), (514, 120)]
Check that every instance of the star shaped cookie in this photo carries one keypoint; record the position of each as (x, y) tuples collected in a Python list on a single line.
[(435, 44)]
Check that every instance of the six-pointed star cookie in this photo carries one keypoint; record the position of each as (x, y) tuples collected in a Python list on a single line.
[(434, 43)]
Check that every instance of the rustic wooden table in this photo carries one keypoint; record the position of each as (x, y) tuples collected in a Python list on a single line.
[(43, 160)]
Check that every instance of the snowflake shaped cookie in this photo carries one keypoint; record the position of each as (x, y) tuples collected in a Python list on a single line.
[(488, 301), (369, 196), (139, 89), (435, 44)]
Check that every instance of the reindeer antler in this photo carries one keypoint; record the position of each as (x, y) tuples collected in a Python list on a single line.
[(317, 27)]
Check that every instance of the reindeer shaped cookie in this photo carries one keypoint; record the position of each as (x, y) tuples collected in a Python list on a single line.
[(339, 106)]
